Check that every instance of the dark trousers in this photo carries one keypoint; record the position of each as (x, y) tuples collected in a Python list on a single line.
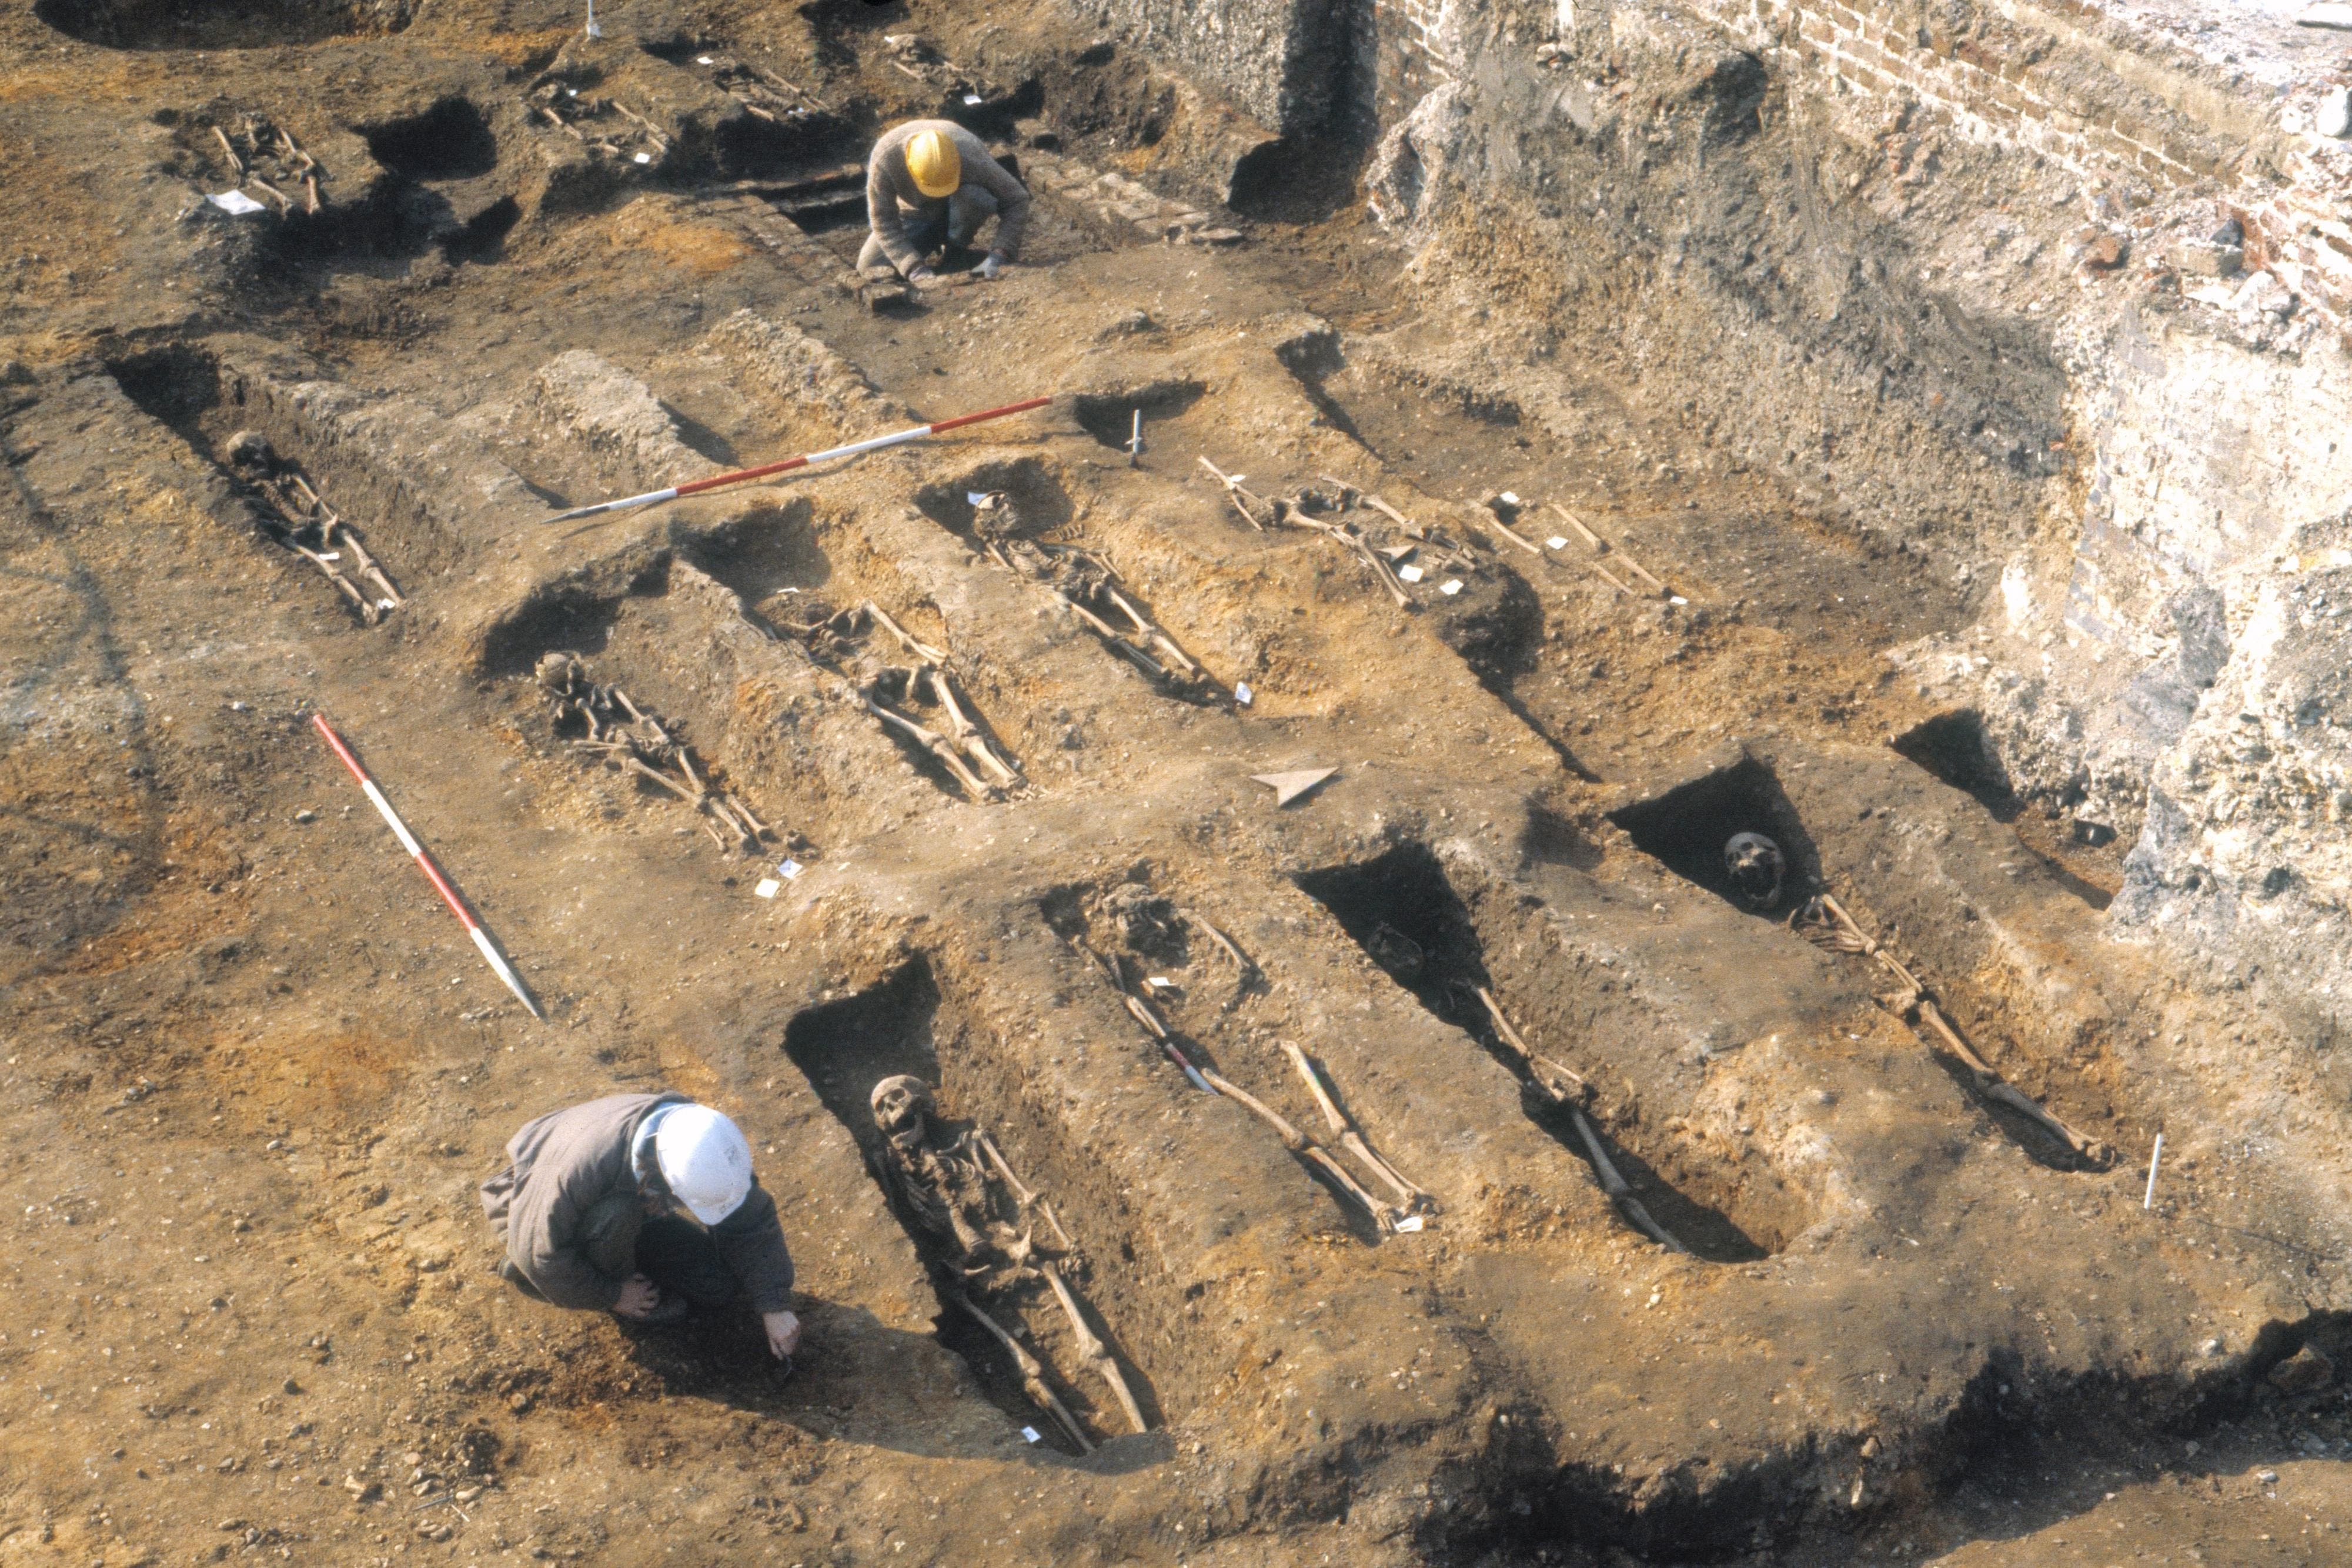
[(677, 1255)]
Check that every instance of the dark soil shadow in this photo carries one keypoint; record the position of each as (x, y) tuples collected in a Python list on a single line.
[(1687, 826), (1954, 748), (1405, 915)]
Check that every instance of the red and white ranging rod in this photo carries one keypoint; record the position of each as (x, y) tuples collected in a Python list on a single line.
[(853, 449), (425, 862)]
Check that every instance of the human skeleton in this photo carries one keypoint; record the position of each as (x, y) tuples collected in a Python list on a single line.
[(961, 1193)]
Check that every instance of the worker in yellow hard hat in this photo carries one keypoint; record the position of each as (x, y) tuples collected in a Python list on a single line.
[(928, 186)]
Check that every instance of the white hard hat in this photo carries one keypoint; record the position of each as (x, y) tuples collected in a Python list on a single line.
[(704, 1161)]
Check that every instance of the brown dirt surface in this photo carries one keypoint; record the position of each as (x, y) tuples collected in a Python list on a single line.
[(253, 1071)]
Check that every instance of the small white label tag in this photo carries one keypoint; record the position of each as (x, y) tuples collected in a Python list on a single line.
[(1451, 585), (788, 870), (1243, 695), (332, 555), (768, 886), (1409, 573), (1557, 542), (971, 99), (235, 202), (1677, 599), (1160, 982), (702, 59), (1508, 498), (644, 158), (1410, 1223), (1031, 1433), (975, 497)]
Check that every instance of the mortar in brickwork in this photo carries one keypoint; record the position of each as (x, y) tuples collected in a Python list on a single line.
[(1549, 443)]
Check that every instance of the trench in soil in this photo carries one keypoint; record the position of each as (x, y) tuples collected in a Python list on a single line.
[(1687, 828), (1406, 916), (1954, 748), (902, 1026), (1042, 511), (222, 23), (188, 389)]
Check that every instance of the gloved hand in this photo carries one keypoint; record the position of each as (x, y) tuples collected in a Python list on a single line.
[(993, 265), (922, 277)]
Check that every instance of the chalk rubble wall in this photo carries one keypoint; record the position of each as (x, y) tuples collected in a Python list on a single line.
[(2033, 292)]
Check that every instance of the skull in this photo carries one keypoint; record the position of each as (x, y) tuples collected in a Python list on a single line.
[(900, 1106), (1754, 863), (1396, 953)]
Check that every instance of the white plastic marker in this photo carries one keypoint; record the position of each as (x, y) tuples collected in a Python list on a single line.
[(425, 862), (2148, 1199), (696, 486)]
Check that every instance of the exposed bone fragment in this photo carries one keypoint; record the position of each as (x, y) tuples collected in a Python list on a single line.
[(1304, 1148), (1755, 865), (1244, 501), (1614, 1186), (1503, 528), (923, 650), (1824, 922), (1569, 1089), (1244, 971), (1601, 548), (1153, 634), (967, 734), (1032, 1373), (944, 1183), (1411, 1198), (936, 744), (1117, 641), (1093, 1350), (1564, 1086), (235, 163), (366, 606)]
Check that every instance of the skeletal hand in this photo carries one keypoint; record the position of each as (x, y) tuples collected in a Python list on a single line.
[(639, 1297), (783, 1333)]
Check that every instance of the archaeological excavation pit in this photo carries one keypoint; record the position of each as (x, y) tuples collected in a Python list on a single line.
[(1967, 384), (1404, 913), (1704, 829), (222, 23), (1011, 1284)]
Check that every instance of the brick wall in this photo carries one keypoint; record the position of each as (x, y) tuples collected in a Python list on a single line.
[(2003, 85)]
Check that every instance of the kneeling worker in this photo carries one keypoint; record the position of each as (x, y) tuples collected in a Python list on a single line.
[(586, 1211), (931, 184)]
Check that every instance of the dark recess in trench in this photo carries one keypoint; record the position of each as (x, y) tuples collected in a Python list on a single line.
[(221, 23), (762, 551), (1109, 417), (1953, 746), (1687, 826), (1956, 749), (174, 383), (1039, 502), (557, 620), (450, 141), (844, 1049), (1406, 915)]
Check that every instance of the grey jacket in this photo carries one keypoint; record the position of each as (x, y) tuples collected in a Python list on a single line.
[(890, 188), (568, 1161)]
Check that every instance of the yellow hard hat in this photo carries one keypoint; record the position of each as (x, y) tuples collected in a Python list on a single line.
[(932, 160)]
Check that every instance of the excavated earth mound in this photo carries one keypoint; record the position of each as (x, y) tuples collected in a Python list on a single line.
[(1547, 445)]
